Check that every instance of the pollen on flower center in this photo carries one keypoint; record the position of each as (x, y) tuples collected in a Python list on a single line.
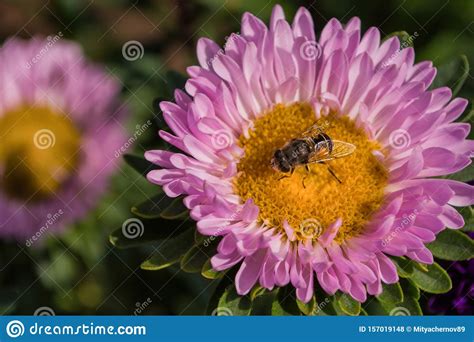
[(38, 152), (310, 209)]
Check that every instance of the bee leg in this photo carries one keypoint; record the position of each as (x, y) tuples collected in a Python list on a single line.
[(331, 171), (286, 176), (306, 167)]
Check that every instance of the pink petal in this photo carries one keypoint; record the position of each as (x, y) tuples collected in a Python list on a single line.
[(388, 271), (306, 293), (451, 218), (358, 291), (330, 233), (249, 272), (206, 50), (303, 24)]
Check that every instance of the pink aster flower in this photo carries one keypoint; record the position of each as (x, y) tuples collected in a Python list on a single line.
[(264, 88), (60, 123)]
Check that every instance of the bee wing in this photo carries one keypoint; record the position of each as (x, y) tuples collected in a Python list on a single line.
[(340, 149), (312, 131)]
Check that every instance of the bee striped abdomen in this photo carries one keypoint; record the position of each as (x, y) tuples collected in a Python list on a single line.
[(323, 141)]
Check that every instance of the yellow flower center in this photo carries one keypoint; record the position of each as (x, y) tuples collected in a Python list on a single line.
[(312, 207), (39, 149)]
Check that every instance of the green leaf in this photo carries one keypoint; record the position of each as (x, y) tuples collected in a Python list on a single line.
[(420, 266), (256, 291), (452, 245), (175, 210), (468, 215), (152, 208), (262, 305), (453, 74), (169, 251), (198, 238), (410, 289), (161, 206), (466, 174), (374, 308), (232, 304), (220, 287), (285, 303), (139, 164), (404, 266), (348, 305), (435, 280), (197, 259), (413, 306), (307, 308), (391, 293), (194, 260), (208, 272), (147, 231), (409, 307)]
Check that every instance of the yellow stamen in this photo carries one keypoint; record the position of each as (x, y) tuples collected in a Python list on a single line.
[(38, 152), (310, 209)]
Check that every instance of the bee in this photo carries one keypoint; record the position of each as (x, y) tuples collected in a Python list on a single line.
[(311, 147)]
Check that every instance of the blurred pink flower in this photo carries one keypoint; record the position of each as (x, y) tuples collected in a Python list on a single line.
[(60, 123)]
